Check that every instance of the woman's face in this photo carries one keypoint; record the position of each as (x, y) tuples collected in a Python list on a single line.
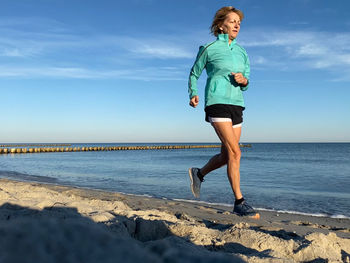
[(231, 25)]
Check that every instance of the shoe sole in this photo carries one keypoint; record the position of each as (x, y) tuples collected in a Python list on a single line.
[(191, 178), (256, 216)]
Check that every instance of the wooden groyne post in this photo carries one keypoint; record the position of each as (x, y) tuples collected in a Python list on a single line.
[(22, 150)]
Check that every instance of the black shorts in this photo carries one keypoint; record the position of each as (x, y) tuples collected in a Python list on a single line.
[(234, 112)]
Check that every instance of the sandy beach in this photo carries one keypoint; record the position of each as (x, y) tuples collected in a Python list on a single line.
[(53, 223)]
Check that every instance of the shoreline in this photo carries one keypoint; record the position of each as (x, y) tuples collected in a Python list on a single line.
[(260, 209), (158, 229), (48, 180)]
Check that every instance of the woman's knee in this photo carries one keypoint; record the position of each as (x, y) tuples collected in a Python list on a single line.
[(234, 154)]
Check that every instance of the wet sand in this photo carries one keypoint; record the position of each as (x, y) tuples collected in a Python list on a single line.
[(52, 223)]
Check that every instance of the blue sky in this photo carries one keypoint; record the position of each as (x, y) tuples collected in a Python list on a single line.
[(116, 71)]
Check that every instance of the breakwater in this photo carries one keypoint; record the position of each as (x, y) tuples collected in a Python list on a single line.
[(35, 145), (22, 150)]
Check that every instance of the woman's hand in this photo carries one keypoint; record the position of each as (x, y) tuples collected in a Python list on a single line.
[(194, 101), (239, 78)]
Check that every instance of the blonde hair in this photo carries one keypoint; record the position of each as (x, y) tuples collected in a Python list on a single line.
[(220, 17)]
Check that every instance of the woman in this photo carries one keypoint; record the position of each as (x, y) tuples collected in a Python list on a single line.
[(228, 69)]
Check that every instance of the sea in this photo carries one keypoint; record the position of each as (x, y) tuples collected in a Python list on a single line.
[(300, 178)]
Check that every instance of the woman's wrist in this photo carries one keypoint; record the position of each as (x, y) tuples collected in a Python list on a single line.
[(246, 82)]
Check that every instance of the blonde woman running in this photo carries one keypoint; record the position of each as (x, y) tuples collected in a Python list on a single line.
[(227, 67)]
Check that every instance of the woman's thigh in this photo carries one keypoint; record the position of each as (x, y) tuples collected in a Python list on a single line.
[(228, 135)]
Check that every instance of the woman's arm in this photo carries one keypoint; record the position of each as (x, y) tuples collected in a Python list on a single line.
[(246, 72), (195, 73)]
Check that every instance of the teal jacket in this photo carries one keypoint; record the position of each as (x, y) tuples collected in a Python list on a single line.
[(220, 59)]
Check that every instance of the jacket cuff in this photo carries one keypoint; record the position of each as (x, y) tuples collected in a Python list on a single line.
[(245, 87), (192, 94)]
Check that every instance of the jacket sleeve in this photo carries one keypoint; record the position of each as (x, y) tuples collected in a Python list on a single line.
[(196, 71), (246, 71)]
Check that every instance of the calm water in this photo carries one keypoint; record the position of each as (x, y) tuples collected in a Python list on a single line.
[(311, 178)]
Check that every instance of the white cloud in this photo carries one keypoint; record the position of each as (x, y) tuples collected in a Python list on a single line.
[(144, 74), (311, 50), (260, 60), (33, 44), (299, 23), (152, 48), (14, 52), (162, 51), (32, 39), (52, 43), (41, 50), (300, 50)]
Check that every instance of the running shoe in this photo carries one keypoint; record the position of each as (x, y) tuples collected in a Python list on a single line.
[(243, 209), (195, 181)]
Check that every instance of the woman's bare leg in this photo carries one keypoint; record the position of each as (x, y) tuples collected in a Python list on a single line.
[(231, 153), (229, 137), (220, 159), (215, 162)]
